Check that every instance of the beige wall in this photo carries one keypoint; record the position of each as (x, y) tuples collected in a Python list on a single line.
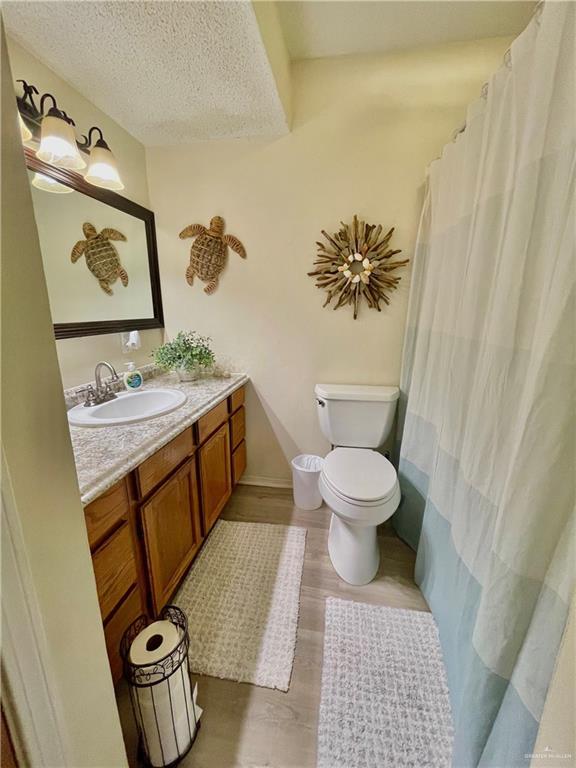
[(364, 130), (44, 489), (79, 356), (272, 36), (556, 743)]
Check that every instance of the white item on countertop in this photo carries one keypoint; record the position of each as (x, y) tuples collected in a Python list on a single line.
[(132, 377)]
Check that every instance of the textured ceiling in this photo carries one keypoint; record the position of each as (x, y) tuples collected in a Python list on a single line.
[(315, 29), (167, 72), (173, 71)]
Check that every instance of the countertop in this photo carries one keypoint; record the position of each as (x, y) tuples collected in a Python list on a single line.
[(104, 455)]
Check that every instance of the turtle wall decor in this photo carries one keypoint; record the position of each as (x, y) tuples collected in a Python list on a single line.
[(209, 251), (355, 264), (102, 258)]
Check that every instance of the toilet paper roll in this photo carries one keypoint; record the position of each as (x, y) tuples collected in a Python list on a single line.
[(154, 642), (165, 709)]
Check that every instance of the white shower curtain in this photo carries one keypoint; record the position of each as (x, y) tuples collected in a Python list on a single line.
[(488, 461)]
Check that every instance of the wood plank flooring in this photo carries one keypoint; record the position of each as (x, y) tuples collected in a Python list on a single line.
[(244, 726)]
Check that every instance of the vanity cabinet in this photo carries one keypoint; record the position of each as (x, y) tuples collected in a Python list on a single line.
[(238, 434), (115, 569), (238, 462), (215, 475), (172, 536), (145, 531), (117, 561), (152, 471)]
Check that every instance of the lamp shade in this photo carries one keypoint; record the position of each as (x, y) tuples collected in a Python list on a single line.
[(47, 184), (25, 132), (58, 144), (102, 169)]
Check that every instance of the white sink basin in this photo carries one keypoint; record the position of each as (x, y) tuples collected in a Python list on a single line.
[(127, 408)]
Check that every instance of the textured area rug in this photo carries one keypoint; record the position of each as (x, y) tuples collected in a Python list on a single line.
[(242, 598), (384, 698)]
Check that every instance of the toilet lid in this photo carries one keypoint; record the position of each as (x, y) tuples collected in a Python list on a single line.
[(359, 473)]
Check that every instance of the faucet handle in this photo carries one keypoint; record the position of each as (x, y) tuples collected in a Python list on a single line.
[(91, 398), (109, 394)]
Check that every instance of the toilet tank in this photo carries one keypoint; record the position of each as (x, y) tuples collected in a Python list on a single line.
[(354, 415)]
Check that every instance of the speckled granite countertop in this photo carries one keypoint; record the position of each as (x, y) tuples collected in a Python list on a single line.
[(103, 455)]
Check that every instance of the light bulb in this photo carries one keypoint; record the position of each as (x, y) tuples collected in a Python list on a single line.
[(102, 169), (47, 184), (58, 143)]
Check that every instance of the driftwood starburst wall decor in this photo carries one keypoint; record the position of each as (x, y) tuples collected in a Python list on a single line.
[(355, 264)]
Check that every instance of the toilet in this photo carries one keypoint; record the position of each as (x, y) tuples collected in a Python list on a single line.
[(359, 484)]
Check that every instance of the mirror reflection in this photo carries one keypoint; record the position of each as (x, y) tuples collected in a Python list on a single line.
[(96, 259)]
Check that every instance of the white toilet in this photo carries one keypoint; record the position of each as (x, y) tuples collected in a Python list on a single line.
[(358, 484)]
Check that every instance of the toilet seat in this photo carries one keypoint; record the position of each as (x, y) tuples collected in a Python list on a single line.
[(360, 476), (356, 502), (366, 474)]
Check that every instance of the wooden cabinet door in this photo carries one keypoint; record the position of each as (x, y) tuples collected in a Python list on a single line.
[(215, 475), (171, 523), (238, 462)]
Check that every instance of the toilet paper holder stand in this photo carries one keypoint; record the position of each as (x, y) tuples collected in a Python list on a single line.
[(146, 676)]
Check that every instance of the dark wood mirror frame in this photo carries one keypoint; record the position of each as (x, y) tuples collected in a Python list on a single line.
[(76, 182)]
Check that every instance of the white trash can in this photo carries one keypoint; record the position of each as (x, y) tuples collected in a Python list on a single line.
[(305, 475)]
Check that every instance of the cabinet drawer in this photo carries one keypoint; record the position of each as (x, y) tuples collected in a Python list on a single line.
[(211, 421), (238, 427), (105, 514), (128, 610), (115, 569), (152, 471), (237, 399), (239, 462)]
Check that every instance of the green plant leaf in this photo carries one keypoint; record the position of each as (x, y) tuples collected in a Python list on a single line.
[(188, 350)]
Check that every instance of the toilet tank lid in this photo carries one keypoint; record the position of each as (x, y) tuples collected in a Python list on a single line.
[(361, 392)]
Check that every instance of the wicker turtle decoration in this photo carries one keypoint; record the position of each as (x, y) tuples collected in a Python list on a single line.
[(101, 257), (209, 251)]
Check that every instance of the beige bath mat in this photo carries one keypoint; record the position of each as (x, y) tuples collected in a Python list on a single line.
[(242, 599)]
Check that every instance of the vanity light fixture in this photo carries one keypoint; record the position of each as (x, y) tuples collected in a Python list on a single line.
[(102, 169), (58, 144), (57, 140), (48, 184)]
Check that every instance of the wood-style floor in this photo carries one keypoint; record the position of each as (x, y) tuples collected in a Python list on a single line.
[(244, 725)]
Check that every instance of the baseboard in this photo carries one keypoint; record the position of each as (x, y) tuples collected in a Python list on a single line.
[(266, 482)]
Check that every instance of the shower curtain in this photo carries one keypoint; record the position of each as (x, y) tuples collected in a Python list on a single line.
[(487, 457)]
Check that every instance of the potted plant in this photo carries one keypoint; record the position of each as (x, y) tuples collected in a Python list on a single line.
[(188, 354)]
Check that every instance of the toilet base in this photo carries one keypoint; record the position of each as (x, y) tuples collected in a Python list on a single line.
[(353, 550)]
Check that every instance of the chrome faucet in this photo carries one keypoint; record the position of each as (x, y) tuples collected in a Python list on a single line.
[(103, 391)]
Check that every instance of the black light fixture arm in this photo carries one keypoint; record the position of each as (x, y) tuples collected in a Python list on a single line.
[(68, 119), (27, 99), (43, 100), (33, 115), (87, 140)]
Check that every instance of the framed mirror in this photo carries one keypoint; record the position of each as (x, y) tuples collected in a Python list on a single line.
[(99, 254)]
